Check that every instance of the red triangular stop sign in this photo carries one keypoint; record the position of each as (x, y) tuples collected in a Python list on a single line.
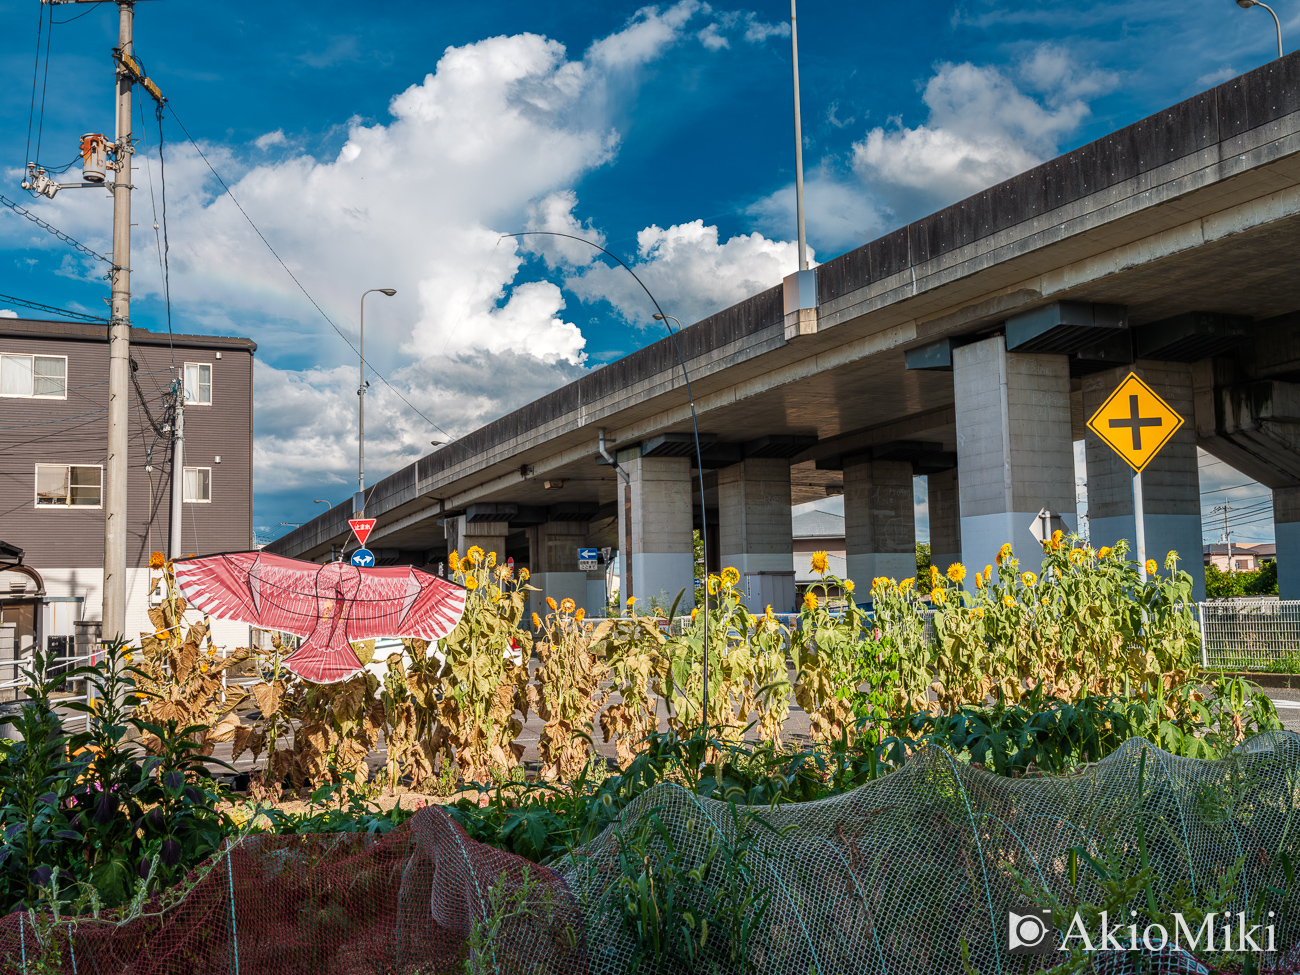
[(361, 527)]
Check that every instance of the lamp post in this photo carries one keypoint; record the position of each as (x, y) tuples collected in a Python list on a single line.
[(1247, 4), (361, 404)]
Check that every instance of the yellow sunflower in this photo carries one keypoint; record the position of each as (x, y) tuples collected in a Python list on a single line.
[(1152, 568), (453, 561), (769, 614), (714, 585), (1029, 579), (474, 555), (567, 605), (820, 562), (491, 559), (537, 622), (938, 595), (695, 612), (580, 614), (523, 575), (1008, 600), (157, 560), (471, 583), (848, 587), (906, 584), (979, 581), (957, 572), (730, 575), (550, 601), (1005, 552), (809, 601)]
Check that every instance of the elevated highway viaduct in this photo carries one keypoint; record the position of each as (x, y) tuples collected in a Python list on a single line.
[(969, 346)]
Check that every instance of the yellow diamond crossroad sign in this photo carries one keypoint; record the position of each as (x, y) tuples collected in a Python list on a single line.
[(1135, 422)]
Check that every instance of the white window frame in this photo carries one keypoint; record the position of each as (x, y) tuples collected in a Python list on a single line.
[(36, 501), (208, 499), (199, 366), (33, 394)]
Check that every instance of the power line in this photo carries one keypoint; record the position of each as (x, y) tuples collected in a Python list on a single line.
[(12, 300), (36, 68), (54, 230), (294, 277)]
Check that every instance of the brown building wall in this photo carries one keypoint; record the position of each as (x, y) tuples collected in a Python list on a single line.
[(75, 431)]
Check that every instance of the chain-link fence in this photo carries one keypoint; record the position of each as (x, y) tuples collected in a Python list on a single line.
[(1251, 634)]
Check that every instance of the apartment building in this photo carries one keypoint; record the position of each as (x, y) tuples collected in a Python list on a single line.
[(53, 449)]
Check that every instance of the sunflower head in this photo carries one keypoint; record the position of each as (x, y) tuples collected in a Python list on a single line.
[(474, 555), (1152, 568), (695, 611), (580, 615), (1005, 552), (906, 584), (714, 585), (491, 559), (1029, 579), (1008, 600), (938, 595), (157, 560), (820, 562), (523, 575), (471, 583), (550, 601), (730, 575), (979, 581), (957, 572), (453, 561), (848, 586), (1104, 552), (631, 601), (768, 613), (809, 601), (934, 576), (567, 605), (537, 622)]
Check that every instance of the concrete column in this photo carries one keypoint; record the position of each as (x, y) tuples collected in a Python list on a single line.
[(755, 530), (1171, 492), (1286, 528), (945, 518), (490, 536), (879, 520), (655, 531), (1013, 447), (553, 563)]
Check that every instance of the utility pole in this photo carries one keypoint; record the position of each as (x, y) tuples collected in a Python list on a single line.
[(798, 143), (1227, 535), (119, 345), (177, 524)]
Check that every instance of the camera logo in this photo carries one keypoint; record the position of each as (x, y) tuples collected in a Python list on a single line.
[(1030, 932)]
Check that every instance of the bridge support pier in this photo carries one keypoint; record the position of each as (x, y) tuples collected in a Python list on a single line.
[(879, 520), (945, 519), (463, 534), (755, 530), (553, 565), (1170, 484), (655, 533), (1013, 447), (1286, 529)]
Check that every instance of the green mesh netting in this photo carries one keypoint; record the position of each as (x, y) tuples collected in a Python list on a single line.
[(902, 875)]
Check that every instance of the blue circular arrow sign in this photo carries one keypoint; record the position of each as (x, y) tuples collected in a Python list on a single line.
[(364, 558)]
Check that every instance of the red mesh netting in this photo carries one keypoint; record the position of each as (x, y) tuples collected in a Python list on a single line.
[(425, 898)]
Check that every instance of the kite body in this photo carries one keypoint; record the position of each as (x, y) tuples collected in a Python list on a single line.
[(329, 605)]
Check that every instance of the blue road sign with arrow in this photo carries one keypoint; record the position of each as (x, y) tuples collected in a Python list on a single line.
[(364, 558)]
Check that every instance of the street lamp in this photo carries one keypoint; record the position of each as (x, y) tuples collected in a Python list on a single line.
[(1247, 4), (361, 401)]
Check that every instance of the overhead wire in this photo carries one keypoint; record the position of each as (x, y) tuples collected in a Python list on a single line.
[(45, 82), (39, 306), (36, 70), (343, 335), (23, 211)]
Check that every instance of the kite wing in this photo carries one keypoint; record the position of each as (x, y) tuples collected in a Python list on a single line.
[(402, 601), (265, 590)]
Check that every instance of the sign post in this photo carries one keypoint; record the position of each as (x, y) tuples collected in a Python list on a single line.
[(1121, 421), (587, 560)]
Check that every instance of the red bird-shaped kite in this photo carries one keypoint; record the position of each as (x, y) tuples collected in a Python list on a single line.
[(329, 605)]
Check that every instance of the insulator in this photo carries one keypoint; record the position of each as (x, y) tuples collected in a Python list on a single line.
[(94, 157)]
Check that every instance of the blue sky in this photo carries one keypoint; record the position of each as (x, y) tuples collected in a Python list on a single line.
[(390, 145)]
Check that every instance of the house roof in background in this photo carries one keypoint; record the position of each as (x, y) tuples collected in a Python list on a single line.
[(823, 518), (84, 332)]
